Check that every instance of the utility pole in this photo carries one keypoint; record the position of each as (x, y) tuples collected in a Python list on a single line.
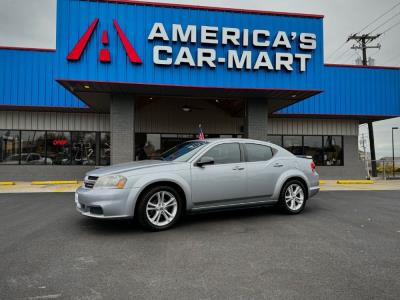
[(363, 43)]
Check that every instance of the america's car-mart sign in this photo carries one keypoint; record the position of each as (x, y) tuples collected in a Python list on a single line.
[(257, 49), (262, 48)]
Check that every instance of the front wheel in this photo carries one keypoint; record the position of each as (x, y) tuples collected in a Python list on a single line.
[(292, 199), (159, 208)]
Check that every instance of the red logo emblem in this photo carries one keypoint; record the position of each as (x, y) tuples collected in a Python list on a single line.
[(104, 56)]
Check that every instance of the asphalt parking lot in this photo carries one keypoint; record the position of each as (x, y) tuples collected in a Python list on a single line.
[(345, 245)]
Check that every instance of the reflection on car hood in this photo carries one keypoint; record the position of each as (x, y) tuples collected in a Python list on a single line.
[(126, 167)]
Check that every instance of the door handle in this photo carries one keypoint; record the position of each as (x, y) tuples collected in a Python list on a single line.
[(278, 165), (238, 168)]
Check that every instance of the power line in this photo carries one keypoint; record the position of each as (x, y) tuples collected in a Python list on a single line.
[(336, 50), (391, 27), (384, 23), (344, 54), (382, 15), (365, 27)]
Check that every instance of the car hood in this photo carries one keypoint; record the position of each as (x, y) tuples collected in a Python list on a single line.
[(132, 166)]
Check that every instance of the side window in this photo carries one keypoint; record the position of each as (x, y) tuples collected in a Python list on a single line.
[(225, 154), (257, 152)]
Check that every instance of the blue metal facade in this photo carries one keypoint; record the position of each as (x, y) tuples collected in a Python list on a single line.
[(354, 91), (28, 78)]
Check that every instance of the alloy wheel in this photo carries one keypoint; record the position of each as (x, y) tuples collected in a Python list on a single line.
[(294, 197), (161, 208)]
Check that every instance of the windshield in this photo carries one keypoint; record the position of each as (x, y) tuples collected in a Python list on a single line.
[(183, 152)]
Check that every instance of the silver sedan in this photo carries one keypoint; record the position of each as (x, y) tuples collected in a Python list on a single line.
[(199, 175)]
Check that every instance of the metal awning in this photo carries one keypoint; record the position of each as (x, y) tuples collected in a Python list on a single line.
[(97, 95)]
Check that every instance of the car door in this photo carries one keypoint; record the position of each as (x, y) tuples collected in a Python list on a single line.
[(223, 182), (262, 171)]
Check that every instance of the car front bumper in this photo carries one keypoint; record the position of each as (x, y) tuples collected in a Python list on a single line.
[(105, 203)]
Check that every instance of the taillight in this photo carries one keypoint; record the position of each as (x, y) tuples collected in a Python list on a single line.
[(312, 165)]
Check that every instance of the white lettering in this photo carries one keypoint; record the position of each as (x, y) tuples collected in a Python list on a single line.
[(209, 35), (284, 60), (263, 61), (245, 37), (303, 61), (184, 57), (206, 56), (230, 34), (157, 55), (308, 41), (158, 31), (281, 39), (256, 38), (179, 35), (234, 61)]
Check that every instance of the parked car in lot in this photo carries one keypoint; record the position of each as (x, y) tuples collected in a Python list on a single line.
[(196, 176), (28, 158)]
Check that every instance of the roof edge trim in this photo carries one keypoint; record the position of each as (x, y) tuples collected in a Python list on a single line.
[(215, 8), (362, 67), (27, 49)]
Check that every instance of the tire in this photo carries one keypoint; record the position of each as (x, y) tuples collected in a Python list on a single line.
[(289, 202), (156, 212)]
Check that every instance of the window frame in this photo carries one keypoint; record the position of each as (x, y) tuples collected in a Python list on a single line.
[(242, 158), (246, 155)]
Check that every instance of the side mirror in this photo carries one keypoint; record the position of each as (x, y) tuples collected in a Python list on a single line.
[(205, 160)]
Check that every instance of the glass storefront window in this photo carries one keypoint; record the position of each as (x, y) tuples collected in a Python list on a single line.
[(293, 144), (9, 147), (105, 149), (313, 147), (275, 139), (333, 150), (58, 145), (83, 148), (33, 148), (91, 148)]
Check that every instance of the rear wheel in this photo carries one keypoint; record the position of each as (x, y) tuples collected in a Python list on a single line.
[(292, 199), (159, 208)]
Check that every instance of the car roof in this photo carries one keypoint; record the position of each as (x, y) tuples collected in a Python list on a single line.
[(242, 140)]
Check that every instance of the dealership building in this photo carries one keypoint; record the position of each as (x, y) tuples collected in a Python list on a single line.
[(129, 80)]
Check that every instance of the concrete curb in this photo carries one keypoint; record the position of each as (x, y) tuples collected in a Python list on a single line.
[(355, 182), (54, 182)]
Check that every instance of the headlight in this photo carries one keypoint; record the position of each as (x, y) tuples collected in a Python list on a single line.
[(113, 181)]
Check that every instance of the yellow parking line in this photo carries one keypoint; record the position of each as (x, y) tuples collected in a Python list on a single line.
[(54, 182), (7, 183), (355, 182), (67, 188)]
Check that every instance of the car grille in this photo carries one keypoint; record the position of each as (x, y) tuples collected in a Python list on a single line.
[(90, 181)]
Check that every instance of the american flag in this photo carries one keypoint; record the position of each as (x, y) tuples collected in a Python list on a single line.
[(201, 133)]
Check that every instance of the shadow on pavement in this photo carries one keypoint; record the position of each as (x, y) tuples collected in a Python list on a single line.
[(98, 226)]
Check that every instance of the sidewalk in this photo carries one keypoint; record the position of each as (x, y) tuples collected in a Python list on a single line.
[(326, 185)]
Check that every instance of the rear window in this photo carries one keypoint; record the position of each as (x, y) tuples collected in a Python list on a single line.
[(256, 152)]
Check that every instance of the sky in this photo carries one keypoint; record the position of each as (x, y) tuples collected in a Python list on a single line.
[(32, 24)]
